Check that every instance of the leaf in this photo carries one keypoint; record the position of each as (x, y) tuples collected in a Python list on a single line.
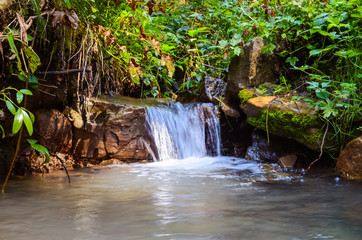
[(321, 93), (32, 57), (68, 4), (19, 97), (18, 121), (31, 141), (167, 61), (315, 52), (292, 60), (237, 51), (14, 50), (223, 44), (26, 92), (43, 150), (28, 122), (11, 107), (3, 132)]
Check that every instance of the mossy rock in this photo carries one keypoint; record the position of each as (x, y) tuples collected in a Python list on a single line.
[(246, 94), (286, 118), (304, 128)]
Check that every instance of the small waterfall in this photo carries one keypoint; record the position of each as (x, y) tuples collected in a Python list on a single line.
[(182, 131)]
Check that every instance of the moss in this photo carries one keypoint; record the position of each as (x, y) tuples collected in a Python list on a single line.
[(245, 95), (302, 127)]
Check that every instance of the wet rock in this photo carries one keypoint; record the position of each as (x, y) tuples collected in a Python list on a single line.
[(288, 161), (111, 162), (74, 117), (286, 118), (278, 150), (349, 162), (251, 68), (55, 128), (214, 89), (112, 130)]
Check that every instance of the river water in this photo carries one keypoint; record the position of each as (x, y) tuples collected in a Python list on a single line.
[(184, 194), (194, 198)]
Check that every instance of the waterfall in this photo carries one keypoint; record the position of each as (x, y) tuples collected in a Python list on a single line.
[(181, 131)]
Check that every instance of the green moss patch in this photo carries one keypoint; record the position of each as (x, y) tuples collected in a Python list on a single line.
[(289, 124), (245, 95)]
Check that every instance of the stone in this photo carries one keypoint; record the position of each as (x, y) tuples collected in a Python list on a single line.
[(74, 117), (113, 131), (214, 89), (286, 118), (288, 161), (55, 128), (349, 162), (287, 152), (111, 162), (250, 69)]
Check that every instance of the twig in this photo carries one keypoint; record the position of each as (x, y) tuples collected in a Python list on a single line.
[(321, 151)]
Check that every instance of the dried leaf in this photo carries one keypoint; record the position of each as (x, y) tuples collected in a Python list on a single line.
[(155, 44), (123, 49), (142, 33), (108, 37), (145, 52), (134, 71), (167, 61), (151, 6), (69, 18)]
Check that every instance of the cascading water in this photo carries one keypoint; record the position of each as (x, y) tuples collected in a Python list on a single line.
[(182, 131)]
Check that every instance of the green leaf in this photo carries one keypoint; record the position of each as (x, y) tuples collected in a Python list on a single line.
[(31, 141), (26, 91), (19, 97), (14, 50), (315, 52), (28, 122), (223, 44), (32, 57), (11, 107), (43, 150), (321, 93), (68, 4), (2, 131), (18, 121), (237, 51), (292, 60)]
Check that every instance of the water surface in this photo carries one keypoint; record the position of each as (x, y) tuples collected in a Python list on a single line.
[(194, 198)]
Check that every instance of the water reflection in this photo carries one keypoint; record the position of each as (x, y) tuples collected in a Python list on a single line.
[(209, 198)]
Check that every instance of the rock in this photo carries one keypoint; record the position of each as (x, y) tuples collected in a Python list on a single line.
[(286, 118), (74, 117), (251, 68), (288, 161), (287, 152), (4, 4), (349, 162), (229, 111), (113, 130), (55, 128), (214, 89), (111, 162)]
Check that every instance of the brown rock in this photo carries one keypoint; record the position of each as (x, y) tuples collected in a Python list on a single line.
[(287, 161), (113, 130), (251, 68), (349, 162), (55, 128), (110, 162)]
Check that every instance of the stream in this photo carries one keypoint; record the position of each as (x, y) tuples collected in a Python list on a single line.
[(190, 191), (193, 198)]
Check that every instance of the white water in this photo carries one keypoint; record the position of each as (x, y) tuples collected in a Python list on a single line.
[(183, 131)]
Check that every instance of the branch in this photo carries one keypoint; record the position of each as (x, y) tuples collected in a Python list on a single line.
[(62, 72), (321, 151)]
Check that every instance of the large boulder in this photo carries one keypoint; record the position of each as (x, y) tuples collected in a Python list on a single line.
[(112, 130), (250, 69), (54, 130), (349, 162), (286, 118)]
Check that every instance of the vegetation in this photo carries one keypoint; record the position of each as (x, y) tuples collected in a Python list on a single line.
[(160, 48)]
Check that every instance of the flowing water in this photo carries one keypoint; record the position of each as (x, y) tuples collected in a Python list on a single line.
[(184, 195)]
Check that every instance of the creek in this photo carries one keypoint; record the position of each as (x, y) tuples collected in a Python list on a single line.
[(189, 192)]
